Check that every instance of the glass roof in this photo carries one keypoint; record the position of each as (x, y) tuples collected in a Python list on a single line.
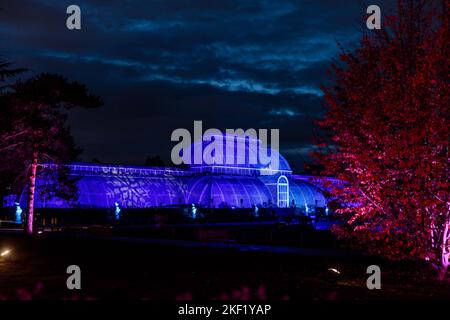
[(238, 152), (102, 191), (304, 193), (227, 191), (211, 190)]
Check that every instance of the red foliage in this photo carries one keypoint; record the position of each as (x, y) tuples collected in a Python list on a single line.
[(388, 135)]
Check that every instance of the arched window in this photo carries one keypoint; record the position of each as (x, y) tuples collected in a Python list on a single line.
[(283, 192)]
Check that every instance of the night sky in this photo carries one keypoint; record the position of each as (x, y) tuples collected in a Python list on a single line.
[(160, 65)]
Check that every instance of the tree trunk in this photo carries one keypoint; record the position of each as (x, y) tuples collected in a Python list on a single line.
[(445, 251), (31, 191)]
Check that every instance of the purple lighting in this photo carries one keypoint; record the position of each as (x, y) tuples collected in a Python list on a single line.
[(207, 186)]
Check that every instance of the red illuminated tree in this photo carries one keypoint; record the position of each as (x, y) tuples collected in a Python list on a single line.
[(36, 131), (387, 128)]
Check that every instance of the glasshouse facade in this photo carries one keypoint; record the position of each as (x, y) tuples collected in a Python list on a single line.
[(243, 184)]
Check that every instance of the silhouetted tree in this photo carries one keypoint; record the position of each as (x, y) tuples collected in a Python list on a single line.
[(7, 72), (36, 131), (154, 161)]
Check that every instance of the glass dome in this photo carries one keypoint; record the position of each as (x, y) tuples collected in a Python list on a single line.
[(228, 191), (306, 194), (238, 153), (301, 192)]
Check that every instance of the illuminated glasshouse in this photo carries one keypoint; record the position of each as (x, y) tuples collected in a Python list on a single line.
[(240, 185)]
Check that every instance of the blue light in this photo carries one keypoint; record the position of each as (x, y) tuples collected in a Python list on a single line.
[(117, 211), (194, 211), (18, 213), (208, 186)]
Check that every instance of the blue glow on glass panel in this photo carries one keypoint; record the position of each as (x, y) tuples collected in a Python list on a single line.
[(244, 154), (305, 193), (131, 191), (282, 192), (225, 191), (229, 186)]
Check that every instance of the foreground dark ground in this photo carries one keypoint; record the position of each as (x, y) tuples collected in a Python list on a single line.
[(112, 269)]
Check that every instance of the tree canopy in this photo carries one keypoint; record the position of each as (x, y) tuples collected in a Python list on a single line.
[(387, 139), (34, 130)]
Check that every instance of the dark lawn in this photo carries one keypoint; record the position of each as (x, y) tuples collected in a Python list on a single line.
[(122, 270)]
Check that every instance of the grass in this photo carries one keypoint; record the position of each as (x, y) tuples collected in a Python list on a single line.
[(36, 269)]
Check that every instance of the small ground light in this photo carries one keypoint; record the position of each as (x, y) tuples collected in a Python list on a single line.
[(333, 275), (5, 253), (334, 270)]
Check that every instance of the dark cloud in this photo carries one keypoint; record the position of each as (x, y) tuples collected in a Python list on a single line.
[(160, 65)]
